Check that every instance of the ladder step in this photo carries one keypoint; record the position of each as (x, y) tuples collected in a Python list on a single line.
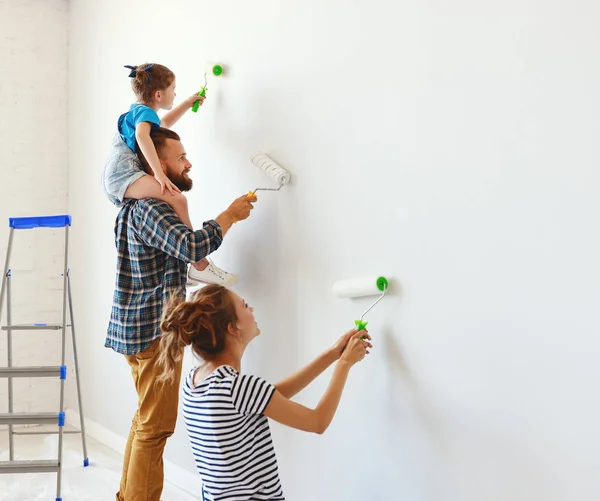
[(40, 466), (29, 371), (30, 418), (33, 327), (68, 432), (26, 223)]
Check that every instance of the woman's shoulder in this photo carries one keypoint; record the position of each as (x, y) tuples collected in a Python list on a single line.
[(201, 377)]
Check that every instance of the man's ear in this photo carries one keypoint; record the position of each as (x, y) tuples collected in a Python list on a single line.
[(163, 165)]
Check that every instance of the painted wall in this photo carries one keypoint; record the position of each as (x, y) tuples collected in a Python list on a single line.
[(449, 146)]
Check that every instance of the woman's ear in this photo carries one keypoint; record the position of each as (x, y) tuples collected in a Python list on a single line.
[(157, 95), (233, 331)]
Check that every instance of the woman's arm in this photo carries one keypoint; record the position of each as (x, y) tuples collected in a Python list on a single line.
[(317, 420), (295, 383)]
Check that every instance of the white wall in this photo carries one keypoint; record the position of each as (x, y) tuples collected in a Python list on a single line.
[(33, 144), (451, 146)]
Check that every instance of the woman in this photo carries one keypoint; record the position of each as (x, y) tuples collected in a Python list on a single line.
[(225, 411)]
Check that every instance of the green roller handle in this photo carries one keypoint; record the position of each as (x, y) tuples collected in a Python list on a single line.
[(197, 103), (360, 326)]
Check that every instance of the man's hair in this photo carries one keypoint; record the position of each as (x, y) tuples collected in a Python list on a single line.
[(159, 136)]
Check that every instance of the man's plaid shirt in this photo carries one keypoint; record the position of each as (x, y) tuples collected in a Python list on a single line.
[(153, 247)]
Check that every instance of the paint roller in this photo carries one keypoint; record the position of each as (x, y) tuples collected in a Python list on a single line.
[(368, 286), (217, 70), (272, 169)]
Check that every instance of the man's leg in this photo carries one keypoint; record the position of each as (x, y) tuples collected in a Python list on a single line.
[(127, 454), (153, 424)]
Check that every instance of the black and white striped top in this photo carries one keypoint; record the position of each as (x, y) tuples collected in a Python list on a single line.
[(230, 436)]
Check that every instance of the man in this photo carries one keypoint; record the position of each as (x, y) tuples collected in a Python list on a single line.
[(154, 247)]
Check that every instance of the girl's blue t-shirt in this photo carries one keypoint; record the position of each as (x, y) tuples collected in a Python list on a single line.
[(128, 121)]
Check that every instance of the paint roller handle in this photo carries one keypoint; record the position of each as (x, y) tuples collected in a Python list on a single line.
[(198, 102), (361, 326)]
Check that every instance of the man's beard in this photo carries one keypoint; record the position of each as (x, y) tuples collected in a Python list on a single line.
[(182, 181)]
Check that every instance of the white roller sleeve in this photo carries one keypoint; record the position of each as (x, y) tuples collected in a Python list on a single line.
[(271, 168), (357, 288)]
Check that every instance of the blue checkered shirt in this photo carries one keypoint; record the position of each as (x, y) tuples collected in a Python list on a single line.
[(153, 247)]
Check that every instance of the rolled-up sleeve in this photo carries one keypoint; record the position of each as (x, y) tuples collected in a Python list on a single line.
[(158, 226)]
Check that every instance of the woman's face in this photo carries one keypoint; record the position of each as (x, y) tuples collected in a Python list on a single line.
[(246, 324)]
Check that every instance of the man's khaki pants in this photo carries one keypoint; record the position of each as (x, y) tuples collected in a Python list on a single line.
[(153, 423)]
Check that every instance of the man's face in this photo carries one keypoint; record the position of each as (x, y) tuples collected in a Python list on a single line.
[(176, 164)]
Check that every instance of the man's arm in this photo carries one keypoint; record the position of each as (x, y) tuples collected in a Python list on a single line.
[(225, 221), (158, 226)]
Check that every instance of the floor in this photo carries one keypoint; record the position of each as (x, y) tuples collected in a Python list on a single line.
[(97, 482)]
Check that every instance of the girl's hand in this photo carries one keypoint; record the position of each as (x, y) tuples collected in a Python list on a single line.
[(165, 182), (356, 349), (193, 98)]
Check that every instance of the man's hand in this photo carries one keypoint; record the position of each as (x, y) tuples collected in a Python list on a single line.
[(241, 207), (237, 211)]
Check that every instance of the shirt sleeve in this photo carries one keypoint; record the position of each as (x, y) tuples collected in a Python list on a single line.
[(158, 226), (145, 114), (251, 394)]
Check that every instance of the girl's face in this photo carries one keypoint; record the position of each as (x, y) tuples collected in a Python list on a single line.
[(246, 324), (165, 97)]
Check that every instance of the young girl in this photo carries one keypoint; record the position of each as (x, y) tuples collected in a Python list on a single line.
[(225, 411), (154, 88)]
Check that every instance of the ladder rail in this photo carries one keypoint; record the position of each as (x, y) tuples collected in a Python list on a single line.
[(6, 264), (76, 364), (6, 289), (63, 361), (11, 432)]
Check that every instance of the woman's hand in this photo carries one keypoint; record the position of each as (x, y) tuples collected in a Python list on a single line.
[(338, 348), (356, 348)]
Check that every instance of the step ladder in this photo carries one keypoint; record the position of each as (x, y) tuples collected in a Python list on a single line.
[(10, 372)]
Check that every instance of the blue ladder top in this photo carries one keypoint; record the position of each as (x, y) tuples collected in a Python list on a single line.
[(26, 223)]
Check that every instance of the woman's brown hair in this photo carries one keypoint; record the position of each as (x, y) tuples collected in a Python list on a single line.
[(146, 79), (201, 322)]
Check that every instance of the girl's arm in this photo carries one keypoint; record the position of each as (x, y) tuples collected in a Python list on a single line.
[(142, 136), (176, 113), (317, 420)]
